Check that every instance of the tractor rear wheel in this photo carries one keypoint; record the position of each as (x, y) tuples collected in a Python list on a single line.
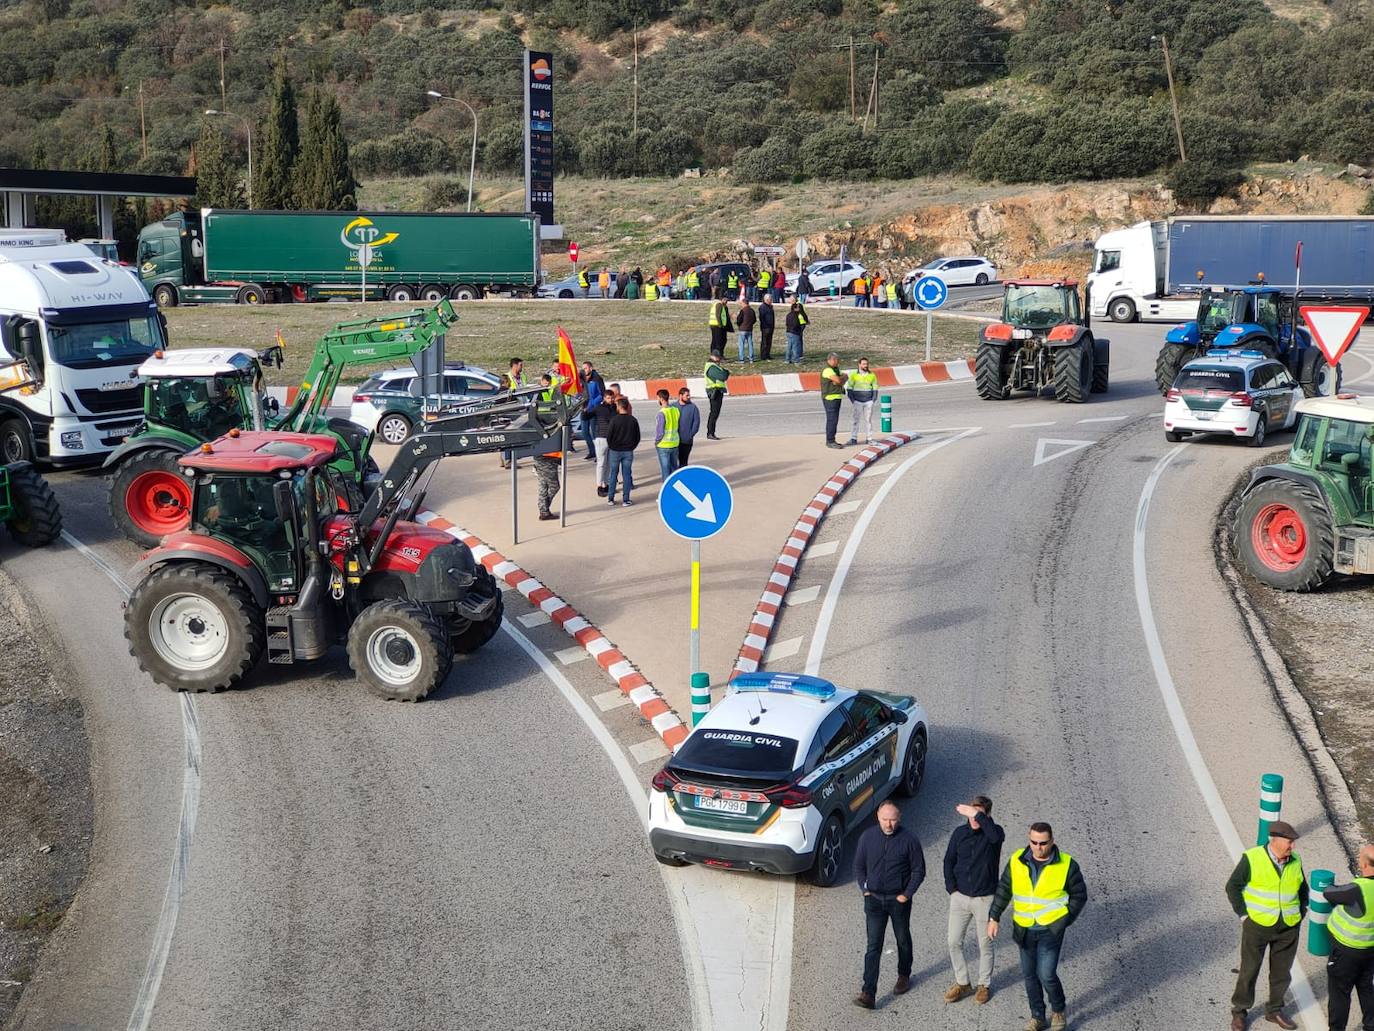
[(37, 518), (193, 627), (149, 497), (1073, 374), (990, 372), (1317, 377), (1167, 365), (399, 649), (474, 635), (1283, 535)]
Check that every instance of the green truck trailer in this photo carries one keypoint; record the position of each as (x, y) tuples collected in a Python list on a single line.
[(263, 257)]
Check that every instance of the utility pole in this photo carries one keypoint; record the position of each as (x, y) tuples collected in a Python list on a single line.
[(1173, 96), (634, 108), (872, 95), (142, 120), (223, 103), (853, 102)]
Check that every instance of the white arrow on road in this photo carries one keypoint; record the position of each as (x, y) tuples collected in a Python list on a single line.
[(1066, 447), (701, 508)]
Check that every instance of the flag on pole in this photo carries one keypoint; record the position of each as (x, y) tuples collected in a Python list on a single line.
[(569, 376)]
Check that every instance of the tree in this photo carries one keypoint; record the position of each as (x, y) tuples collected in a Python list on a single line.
[(1197, 183), (217, 178), (323, 174), (279, 145)]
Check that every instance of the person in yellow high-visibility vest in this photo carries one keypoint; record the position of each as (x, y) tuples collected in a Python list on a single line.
[(693, 282), (863, 391), (832, 396), (1268, 891), (1352, 945), (1045, 890), (584, 282), (666, 436)]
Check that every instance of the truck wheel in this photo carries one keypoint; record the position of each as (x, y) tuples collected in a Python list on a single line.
[(1283, 536), (914, 769), (37, 518), (192, 627), (399, 650), (466, 293), (433, 293), (16, 444), (1073, 374), (825, 870), (474, 635), (251, 294), (166, 295), (990, 373), (1121, 309), (393, 428), (1171, 359), (149, 498), (401, 293)]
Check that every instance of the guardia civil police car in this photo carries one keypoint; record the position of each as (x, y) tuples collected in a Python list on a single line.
[(780, 770), (1239, 393)]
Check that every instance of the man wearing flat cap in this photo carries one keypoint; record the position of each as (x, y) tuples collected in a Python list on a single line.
[(1268, 891)]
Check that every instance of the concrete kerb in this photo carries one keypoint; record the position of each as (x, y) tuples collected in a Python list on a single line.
[(652, 705), (785, 568)]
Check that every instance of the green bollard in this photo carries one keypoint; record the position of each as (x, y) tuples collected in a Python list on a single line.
[(1318, 910), (701, 696), (885, 410), (1271, 802)]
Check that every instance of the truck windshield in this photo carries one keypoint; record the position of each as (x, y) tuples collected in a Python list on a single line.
[(1108, 261), (92, 345), (1036, 307)]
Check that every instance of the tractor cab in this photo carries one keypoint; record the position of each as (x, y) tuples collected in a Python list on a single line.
[(1035, 305), (203, 393), (1334, 439), (1226, 316)]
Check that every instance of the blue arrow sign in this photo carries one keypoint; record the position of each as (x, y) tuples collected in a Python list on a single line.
[(695, 502), (930, 292)]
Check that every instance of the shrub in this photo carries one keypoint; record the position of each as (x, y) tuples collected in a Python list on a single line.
[(773, 161), (440, 194), (412, 152), (838, 152), (1197, 183)]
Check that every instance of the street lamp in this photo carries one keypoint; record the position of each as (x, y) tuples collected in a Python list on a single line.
[(472, 166), (249, 126)]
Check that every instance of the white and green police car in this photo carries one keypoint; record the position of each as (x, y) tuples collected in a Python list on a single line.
[(780, 770), (1239, 393)]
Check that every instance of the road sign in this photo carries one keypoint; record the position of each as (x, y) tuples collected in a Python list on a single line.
[(769, 250), (572, 250), (802, 249), (930, 292), (1333, 327), (695, 502)]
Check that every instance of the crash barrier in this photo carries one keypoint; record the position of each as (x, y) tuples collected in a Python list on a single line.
[(885, 410), (701, 696), (1271, 802), (1318, 910)]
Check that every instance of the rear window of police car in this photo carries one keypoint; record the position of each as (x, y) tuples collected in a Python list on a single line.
[(737, 752), (1210, 381)]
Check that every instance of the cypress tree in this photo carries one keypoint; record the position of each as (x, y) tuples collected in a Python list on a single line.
[(278, 145), (324, 174), (217, 178)]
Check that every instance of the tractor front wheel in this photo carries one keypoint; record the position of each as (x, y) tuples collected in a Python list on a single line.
[(1170, 361), (193, 627), (37, 518), (474, 635), (399, 650), (149, 497), (1283, 536)]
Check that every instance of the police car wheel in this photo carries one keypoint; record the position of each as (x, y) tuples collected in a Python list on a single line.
[(669, 860), (1174, 437), (393, 429), (825, 871), (914, 769), (1257, 439)]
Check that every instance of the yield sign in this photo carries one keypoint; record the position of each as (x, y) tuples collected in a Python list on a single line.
[(1061, 448), (1334, 328)]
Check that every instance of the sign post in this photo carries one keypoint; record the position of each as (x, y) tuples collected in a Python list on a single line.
[(930, 292), (695, 502)]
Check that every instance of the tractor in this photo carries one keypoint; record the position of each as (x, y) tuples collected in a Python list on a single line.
[(28, 507), (1043, 340), (1301, 521), (272, 565), (191, 396), (1255, 317)]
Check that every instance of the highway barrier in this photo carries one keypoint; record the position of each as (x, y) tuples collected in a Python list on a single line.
[(1318, 910), (885, 410), (1271, 803)]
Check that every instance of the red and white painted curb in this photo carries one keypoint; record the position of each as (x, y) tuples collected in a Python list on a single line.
[(770, 603), (622, 672)]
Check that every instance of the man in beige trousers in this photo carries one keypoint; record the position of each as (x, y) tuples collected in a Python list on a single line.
[(972, 861)]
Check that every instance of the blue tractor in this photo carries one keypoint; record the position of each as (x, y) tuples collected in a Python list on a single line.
[(1259, 318)]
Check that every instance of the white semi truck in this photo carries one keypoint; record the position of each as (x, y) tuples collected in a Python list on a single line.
[(74, 327)]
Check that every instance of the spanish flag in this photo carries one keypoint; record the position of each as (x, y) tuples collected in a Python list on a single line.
[(569, 375)]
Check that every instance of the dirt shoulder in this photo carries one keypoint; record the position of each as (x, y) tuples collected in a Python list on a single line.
[(46, 811)]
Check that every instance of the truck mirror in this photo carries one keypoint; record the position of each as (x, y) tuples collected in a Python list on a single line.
[(162, 323), (30, 346)]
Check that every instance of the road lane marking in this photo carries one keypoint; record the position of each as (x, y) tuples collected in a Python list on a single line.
[(1028, 425), (782, 649), (821, 550), (1065, 447), (1309, 1016), (1105, 418), (538, 617), (567, 656), (648, 751), (612, 699), (845, 507), (803, 596), (146, 999)]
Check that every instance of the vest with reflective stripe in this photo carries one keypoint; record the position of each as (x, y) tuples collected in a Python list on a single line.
[(693, 280), (718, 317), (713, 384), (1046, 901), (1351, 931), (733, 281), (861, 285), (863, 380), (671, 416), (1269, 895), (665, 278), (582, 279), (891, 291), (650, 291), (765, 277), (830, 385)]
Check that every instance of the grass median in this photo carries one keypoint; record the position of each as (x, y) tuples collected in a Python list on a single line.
[(626, 339)]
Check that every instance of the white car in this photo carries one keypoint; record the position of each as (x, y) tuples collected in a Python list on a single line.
[(390, 402), (827, 274), (570, 288), (780, 770), (1243, 394), (970, 271)]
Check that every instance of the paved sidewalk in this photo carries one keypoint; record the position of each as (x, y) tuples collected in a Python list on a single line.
[(624, 571)]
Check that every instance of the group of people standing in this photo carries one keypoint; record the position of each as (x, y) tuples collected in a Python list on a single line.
[(695, 283), (878, 291), (764, 318)]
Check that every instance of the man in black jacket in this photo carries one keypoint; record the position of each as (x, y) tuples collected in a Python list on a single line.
[(1351, 965), (767, 320), (972, 859), (888, 866)]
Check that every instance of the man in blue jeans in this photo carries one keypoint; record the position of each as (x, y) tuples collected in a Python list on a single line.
[(888, 867), (1046, 892)]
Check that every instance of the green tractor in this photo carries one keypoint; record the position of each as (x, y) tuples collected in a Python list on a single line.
[(28, 507), (1301, 521), (192, 396)]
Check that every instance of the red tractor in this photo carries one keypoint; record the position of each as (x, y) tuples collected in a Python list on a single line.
[(1043, 340), (272, 564)]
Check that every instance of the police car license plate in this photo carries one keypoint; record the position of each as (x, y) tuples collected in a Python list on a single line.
[(1204, 416), (723, 805)]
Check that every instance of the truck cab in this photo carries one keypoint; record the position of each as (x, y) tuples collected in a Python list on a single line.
[(73, 328)]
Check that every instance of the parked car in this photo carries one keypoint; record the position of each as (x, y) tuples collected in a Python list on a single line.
[(390, 402), (970, 271), (827, 274), (569, 288), (1236, 393)]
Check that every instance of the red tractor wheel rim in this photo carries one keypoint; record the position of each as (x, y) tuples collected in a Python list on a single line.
[(159, 502), (1279, 537)]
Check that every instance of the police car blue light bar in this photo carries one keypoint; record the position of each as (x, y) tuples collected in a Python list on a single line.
[(1231, 352), (784, 683)]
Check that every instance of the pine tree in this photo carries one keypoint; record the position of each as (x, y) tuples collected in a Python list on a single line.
[(217, 177), (324, 174), (278, 146)]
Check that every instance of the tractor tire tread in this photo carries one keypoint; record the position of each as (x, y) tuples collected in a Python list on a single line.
[(35, 505), (989, 373), (1306, 576), (1070, 385), (433, 639), (119, 481)]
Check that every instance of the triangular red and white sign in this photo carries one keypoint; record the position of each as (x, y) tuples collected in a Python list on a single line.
[(1334, 328)]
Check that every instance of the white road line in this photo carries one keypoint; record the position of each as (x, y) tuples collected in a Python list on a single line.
[(629, 780), (1027, 425), (851, 548), (1105, 418), (845, 507), (782, 650), (612, 699), (146, 998), (822, 550), (802, 596), (567, 656), (649, 750), (533, 619), (1309, 1015)]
